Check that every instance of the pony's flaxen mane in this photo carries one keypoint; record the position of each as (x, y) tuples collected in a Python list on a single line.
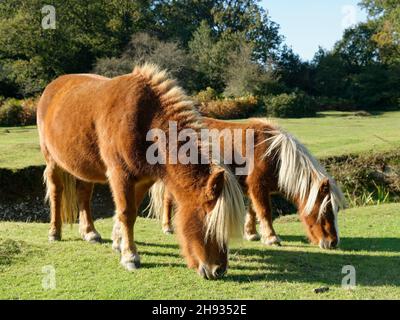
[(300, 174), (227, 217), (226, 220), (177, 105)]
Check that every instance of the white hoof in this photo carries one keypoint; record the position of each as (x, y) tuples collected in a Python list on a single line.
[(131, 263), (252, 237), (116, 246), (271, 241), (54, 237), (168, 230), (92, 237)]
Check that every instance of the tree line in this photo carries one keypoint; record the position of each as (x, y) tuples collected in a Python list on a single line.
[(232, 47)]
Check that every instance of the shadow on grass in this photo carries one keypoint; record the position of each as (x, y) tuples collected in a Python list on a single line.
[(377, 268), (356, 243), (326, 268), (258, 264)]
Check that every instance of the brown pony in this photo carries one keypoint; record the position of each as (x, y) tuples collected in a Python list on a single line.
[(94, 130), (281, 165)]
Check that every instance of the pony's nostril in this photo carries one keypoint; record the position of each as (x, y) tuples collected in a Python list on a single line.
[(333, 243), (219, 272)]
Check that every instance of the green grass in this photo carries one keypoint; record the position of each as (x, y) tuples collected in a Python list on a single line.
[(332, 133), (370, 242), (19, 147), (339, 133)]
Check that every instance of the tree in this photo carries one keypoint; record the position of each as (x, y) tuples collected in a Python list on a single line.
[(180, 19), (355, 70), (146, 48), (243, 76), (293, 72), (357, 47), (84, 32), (386, 13)]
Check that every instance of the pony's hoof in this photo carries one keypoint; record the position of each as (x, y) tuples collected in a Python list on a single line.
[(54, 237), (131, 264), (271, 241), (92, 237), (168, 231), (116, 247), (252, 237)]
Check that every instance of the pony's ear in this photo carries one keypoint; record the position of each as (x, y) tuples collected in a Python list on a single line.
[(325, 187), (215, 184)]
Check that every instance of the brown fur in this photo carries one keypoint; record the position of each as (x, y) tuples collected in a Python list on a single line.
[(93, 129)]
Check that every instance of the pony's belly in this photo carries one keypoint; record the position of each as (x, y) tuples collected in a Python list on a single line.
[(82, 163)]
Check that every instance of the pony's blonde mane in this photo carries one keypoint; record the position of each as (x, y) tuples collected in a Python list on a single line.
[(173, 99), (226, 220), (300, 174)]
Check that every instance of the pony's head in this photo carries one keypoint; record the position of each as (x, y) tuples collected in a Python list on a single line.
[(206, 219), (206, 223), (319, 214), (302, 179)]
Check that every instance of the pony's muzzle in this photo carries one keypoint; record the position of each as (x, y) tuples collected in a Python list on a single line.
[(328, 244), (217, 272)]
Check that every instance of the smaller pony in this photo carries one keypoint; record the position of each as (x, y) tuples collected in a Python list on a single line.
[(281, 165)]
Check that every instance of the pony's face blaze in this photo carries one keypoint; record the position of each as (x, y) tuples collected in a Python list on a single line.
[(322, 226)]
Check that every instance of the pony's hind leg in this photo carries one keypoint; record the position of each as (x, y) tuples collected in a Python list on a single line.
[(167, 214), (123, 189), (262, 205), (250, 226), (87, 230), (54, 194)]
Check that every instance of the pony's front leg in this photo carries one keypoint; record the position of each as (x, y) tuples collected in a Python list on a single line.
[(262, 205), (87, 230), (250, 225), (123, 189)]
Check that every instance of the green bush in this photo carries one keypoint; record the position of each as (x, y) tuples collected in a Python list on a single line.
[(14, 112), (11, 112), (207, 95), (28, 116), (232, 108), (293, 105)]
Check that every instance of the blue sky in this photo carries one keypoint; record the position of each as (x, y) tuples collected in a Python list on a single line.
[(307, 24)]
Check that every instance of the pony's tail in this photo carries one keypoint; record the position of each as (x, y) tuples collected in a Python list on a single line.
[(226, 220), (156, 201), (69, 201)]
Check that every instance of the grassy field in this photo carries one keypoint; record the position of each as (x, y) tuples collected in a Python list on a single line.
[(332, 133), (19, 147), (370, 243)]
